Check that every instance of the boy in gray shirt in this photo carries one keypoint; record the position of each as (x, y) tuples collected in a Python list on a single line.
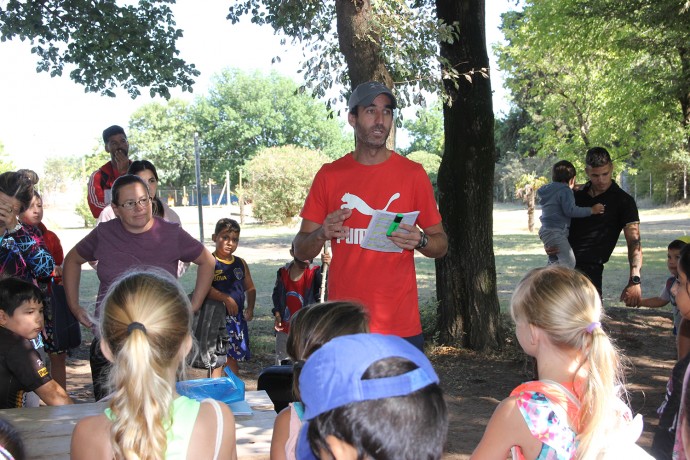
[(557, 208)]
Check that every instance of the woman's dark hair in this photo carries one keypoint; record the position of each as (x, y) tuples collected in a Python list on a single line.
[(141, 165), (11, 441), (122, 181), (144, 165), (17, 185), (403, 427)]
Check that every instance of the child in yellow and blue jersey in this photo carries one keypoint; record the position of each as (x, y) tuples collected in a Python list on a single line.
[(232, 283)]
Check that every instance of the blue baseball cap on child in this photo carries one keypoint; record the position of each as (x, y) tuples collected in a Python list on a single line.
[(332, 376)]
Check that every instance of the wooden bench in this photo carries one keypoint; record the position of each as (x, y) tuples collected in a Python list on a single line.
[(47, 430)]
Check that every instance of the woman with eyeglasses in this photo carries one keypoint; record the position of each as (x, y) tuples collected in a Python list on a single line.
[(147, 171), (135, 239)]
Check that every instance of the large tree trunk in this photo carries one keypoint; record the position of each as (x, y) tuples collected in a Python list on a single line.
[(466, 277), (359, 42)]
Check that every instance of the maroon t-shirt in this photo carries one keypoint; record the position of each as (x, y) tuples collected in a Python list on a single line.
[(117, 250)]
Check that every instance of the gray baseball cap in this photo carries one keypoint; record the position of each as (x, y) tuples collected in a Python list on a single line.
[(365, 94)]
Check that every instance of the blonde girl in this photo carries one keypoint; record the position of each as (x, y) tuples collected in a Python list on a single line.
[(146, 334), (575, 406)]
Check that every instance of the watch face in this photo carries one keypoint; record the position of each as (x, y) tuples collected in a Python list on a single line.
[(635, 279)]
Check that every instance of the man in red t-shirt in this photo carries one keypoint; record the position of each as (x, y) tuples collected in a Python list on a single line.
[(101, 181), (339, 207)]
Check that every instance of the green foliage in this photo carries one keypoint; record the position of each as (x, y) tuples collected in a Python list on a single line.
[(346, 43), (246, 112), (5, 162), (132, 46), (164, 135), (92, 162), (82, 210), (58, 172), (426, 131), (430, 163), (610, 74), (281, 177), (531, 181), (515, 153)]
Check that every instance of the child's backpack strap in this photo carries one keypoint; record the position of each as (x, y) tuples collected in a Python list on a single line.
[(572, 399), (209, 330)]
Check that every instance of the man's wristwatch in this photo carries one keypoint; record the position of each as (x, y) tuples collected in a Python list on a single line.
[(635, 280), (423, 241)]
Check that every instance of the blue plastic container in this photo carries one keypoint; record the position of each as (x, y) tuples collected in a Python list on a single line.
[(226, 389)]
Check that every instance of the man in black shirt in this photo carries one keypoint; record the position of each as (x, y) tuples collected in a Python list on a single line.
[(594, 238)]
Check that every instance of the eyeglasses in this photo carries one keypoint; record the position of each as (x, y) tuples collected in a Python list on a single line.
[(130, 204)]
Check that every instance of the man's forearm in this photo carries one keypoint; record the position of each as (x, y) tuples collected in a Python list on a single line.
[(634, 243), (309, 245), (635, 257)]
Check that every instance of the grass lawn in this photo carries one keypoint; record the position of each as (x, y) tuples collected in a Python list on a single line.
[(265, 247)]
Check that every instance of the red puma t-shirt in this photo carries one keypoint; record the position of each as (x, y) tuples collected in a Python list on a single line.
[(384, 282)]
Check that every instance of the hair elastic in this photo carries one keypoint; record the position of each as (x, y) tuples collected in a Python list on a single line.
[(593, 325), (134, 325), (5, 454)]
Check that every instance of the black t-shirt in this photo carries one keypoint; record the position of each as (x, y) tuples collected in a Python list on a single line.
[(21, 369), (594, 238)]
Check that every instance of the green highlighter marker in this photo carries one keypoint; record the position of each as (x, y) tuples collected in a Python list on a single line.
[(395, 224)]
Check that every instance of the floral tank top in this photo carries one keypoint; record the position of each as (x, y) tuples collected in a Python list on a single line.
[(546, 411)]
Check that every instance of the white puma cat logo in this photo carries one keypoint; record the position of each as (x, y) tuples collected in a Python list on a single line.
[(354, 202)]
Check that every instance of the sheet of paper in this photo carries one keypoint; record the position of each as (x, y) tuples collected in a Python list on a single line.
[(375, 237)]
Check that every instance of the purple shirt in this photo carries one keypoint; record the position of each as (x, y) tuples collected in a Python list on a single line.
[(118, 250)]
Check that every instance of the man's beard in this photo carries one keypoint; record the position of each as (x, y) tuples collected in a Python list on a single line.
[(372, 140)]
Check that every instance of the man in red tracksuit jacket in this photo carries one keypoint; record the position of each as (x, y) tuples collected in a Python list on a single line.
[(101, 181)]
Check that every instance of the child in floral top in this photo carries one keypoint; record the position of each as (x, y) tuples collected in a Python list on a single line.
[(574, 411)]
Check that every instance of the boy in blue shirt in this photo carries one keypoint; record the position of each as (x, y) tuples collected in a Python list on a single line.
[(557, 208), (232, 282)]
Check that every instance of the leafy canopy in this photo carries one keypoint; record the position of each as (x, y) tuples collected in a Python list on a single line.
[(164, 135), (426, 130), (244, 113), (599, 73), (5, 162), (108, 45), (404, 35)]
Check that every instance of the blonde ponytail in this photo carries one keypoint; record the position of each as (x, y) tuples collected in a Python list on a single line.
[(146, 319), (565, 304)]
